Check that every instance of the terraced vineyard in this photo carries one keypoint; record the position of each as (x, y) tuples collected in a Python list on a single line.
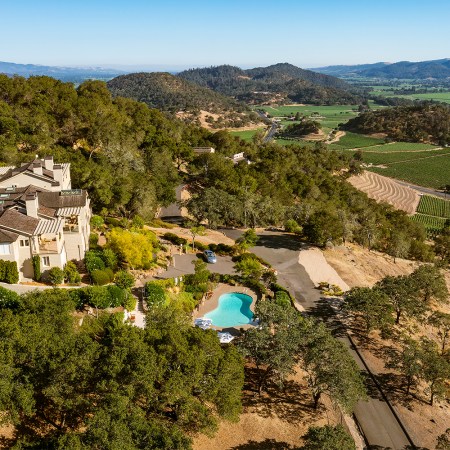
[(386, 190), (433, 206)]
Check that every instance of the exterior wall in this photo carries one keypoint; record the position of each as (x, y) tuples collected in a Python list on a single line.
[(75, 246), (24, 261)]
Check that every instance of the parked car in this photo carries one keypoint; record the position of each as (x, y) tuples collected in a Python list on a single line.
[(210, 256)]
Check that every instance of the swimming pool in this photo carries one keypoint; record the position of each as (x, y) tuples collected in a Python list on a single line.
[(233, 310)]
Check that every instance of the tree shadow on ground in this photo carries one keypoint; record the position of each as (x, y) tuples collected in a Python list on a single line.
[(394, 387), (324, 312), (267, 444), (291, 402), (286, 241)]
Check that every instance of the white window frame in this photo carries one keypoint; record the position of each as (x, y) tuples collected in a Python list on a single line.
[(5, 249), (24, 243), (46, 261)]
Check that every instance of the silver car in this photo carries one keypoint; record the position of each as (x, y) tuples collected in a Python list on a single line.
[(210, 256)]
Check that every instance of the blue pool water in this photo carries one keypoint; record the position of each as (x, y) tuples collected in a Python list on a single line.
[(233, 310)]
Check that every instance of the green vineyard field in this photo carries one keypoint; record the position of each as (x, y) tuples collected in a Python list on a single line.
[(434, 206)]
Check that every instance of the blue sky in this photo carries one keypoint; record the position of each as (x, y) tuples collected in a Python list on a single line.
[(247, 33)]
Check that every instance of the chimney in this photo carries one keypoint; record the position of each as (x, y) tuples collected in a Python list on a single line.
[(57, 174), (48, 162), (37, 168), (32, 205)]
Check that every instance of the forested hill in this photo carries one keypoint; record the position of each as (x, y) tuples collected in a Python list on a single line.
[(173, 94), (439, 69), (420, 123), (278, 82), (129, 158)]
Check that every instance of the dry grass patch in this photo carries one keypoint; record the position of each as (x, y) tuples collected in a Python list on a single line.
[(275, 420)]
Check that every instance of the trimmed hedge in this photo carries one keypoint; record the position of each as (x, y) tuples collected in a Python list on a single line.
[(9, 272)]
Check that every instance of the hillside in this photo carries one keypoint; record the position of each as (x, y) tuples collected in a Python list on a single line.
[(438, 69), (170, 93), (277, 83), (421, 123)]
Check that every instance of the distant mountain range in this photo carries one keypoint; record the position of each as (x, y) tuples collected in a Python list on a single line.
[(437, 69), (73, 74)]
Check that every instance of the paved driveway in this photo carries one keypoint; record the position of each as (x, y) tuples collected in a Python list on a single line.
[(378, 422), (184, 264)]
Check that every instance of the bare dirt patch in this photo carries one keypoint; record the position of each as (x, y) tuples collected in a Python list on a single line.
[(359, 267), (384, 189), (337, 136), (275, 420)]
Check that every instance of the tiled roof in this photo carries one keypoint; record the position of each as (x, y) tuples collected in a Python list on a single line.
[(62, 200), (17, 221), (8, 236), (28, 168)]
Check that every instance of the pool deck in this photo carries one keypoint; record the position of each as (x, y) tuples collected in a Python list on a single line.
[(212, 303)]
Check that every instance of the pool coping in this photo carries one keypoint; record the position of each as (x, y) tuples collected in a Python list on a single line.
[(211, 303)]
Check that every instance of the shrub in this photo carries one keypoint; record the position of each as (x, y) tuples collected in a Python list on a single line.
[(282, 299), (291, 226), (36, 260), (9, 299), (93, 261), (112, 222), (97, 222), (132, 247), (71, 274), (155, 294), (247, 256), (101, 277), (93, 241), (171, 237), (201, 247), (124, 279), (116, 295), (97, 296), (11, 272), (55, 276), (8, 272), (130, 303), (224, 249), (78, 296), (138, 222), (109, 258)]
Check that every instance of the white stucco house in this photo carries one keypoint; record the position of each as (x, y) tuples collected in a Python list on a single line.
[(41, 215)]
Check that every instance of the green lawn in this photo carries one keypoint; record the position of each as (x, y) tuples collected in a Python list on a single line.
[(353, 140), (245, 135)]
